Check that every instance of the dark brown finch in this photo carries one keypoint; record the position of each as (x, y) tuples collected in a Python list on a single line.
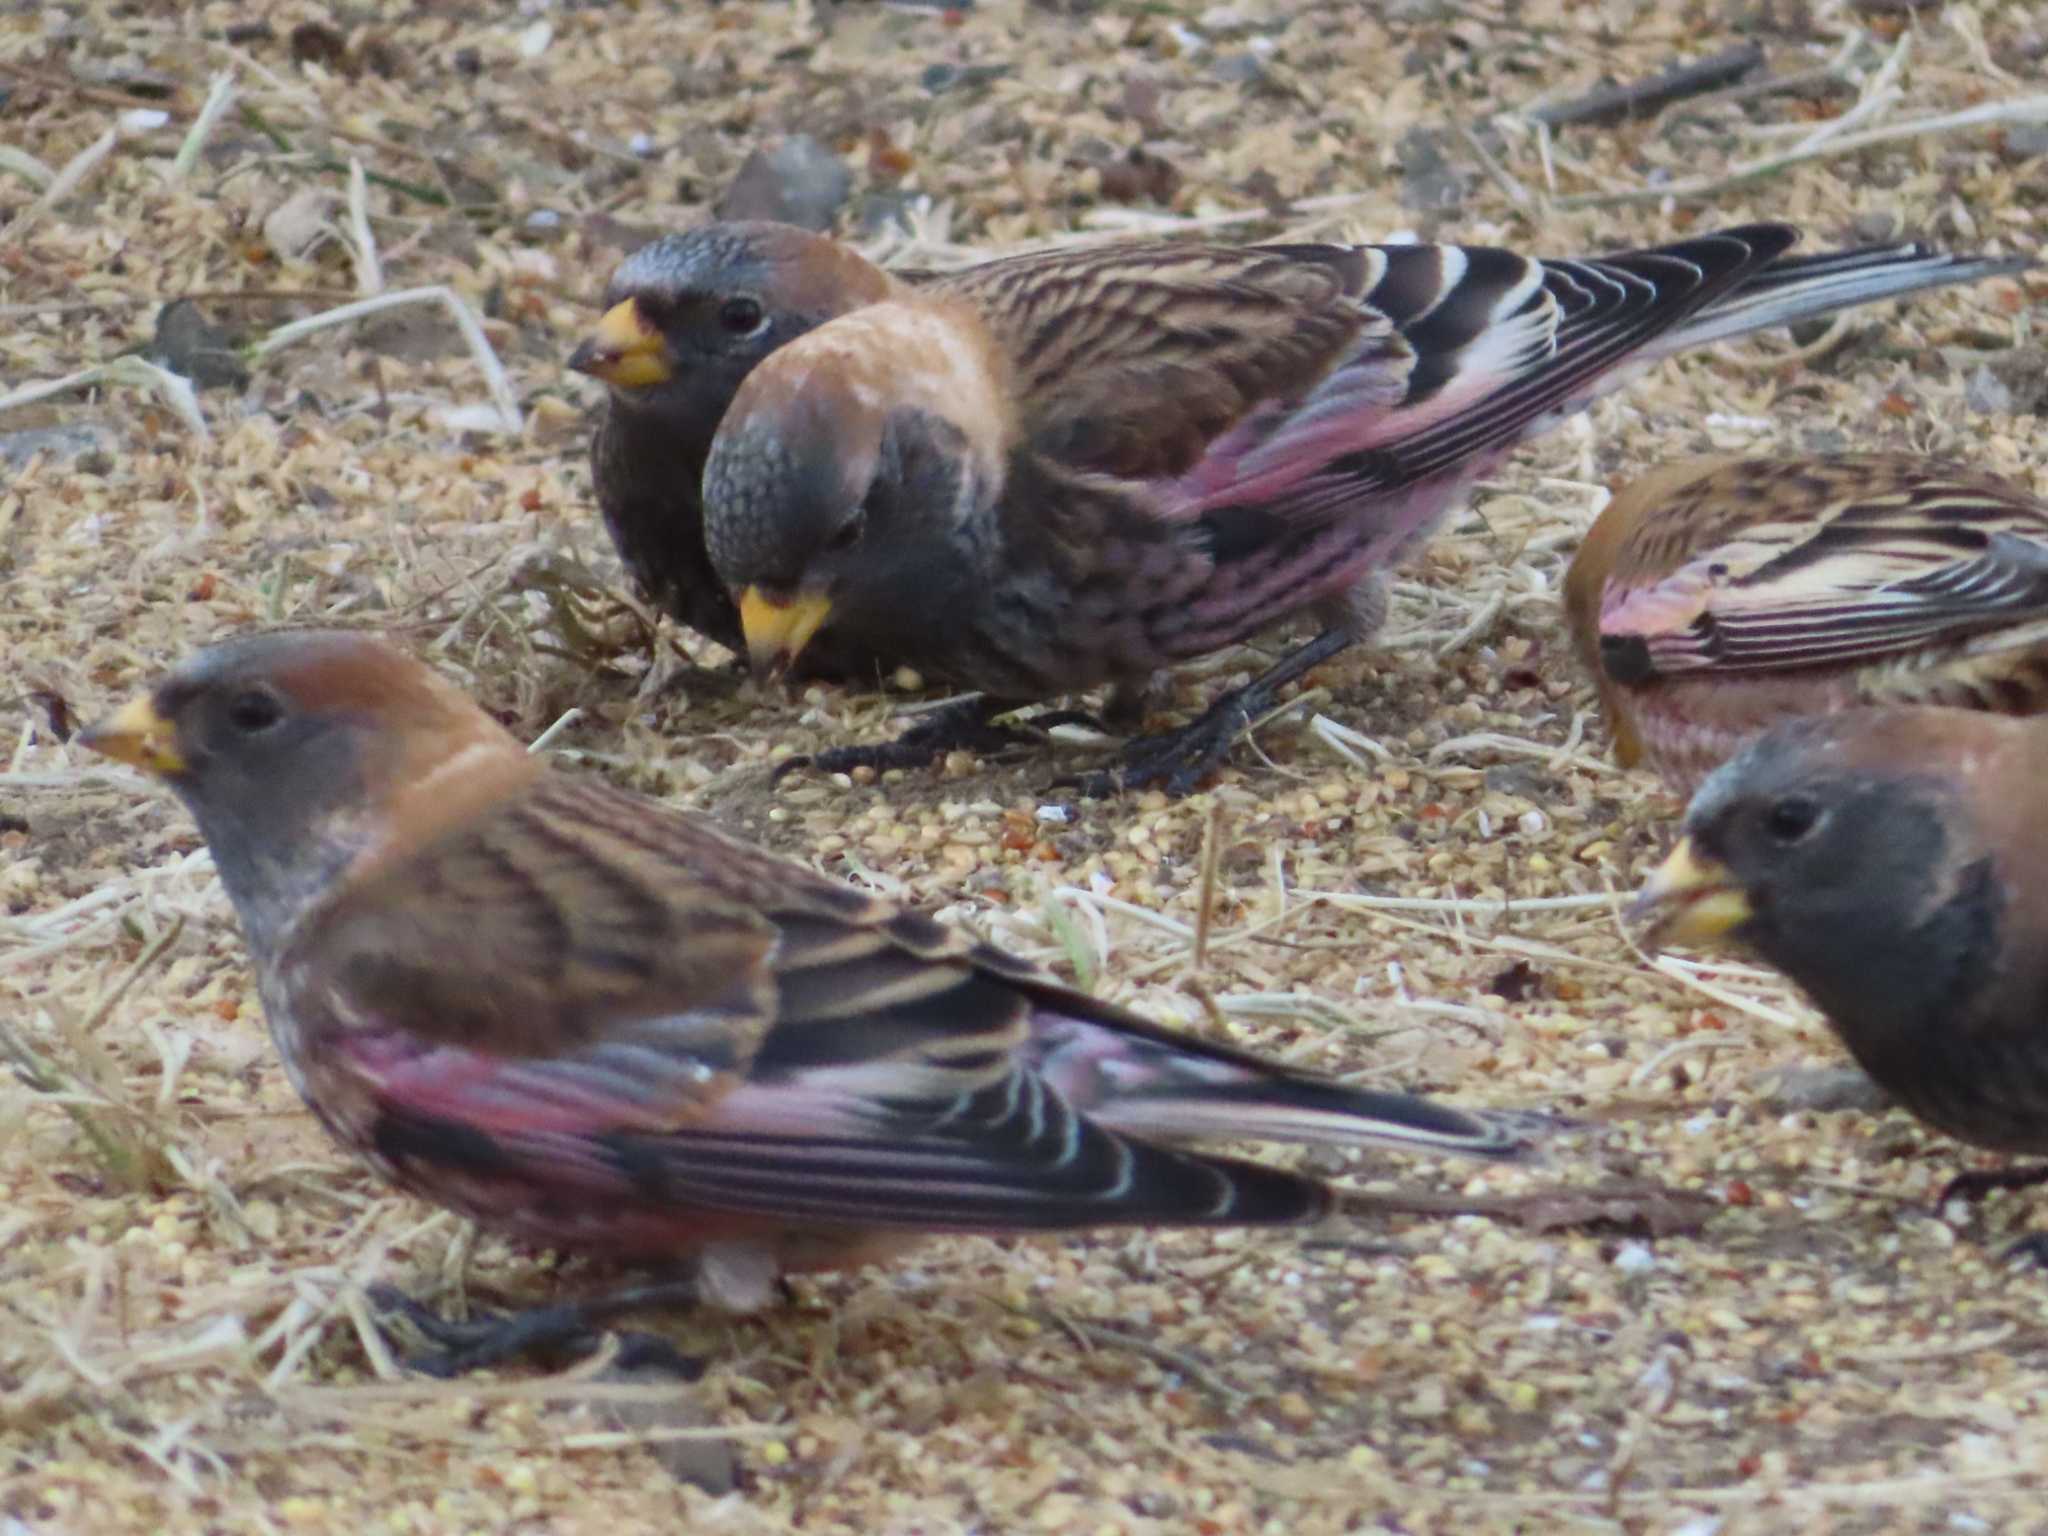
[(1051, 472), (1715, 597), (582, 1017), (1888, 860), (686, 318)]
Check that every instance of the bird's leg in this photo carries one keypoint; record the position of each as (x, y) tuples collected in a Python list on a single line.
[(1180, 759), (1974, 1184), (963, 725), (574, 1326)]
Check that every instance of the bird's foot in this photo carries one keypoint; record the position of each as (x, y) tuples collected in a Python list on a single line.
[(1176, 760), (966, 725), (574, 1328), (1179, 759), (1974, 1184)]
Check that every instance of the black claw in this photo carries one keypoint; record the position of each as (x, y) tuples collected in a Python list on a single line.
[(1179, 760), (487, 1339), (1974, 1184), (572, 1328), (1176, 760)]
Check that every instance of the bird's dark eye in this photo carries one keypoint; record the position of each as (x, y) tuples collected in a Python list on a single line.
[(848, 533), (740, 316), (254, 711), (1790, 819)]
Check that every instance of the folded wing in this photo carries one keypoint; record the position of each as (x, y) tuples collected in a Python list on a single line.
[(826, 1056), (1839, 560)]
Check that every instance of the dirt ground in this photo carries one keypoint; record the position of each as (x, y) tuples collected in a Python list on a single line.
[(1418, 870)]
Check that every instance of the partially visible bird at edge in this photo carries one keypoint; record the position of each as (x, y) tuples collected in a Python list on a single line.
[(1886, 859), (1714, 597)]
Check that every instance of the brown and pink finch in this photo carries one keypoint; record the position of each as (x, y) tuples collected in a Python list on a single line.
[(1715, 597), (1050, 472), (597, 1023)]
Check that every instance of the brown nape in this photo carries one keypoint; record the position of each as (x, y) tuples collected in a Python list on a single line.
[(1994, 763), (817, 275), (434, 755), (1979, 749), (1986, 766), (830, 411), (935, 356), (345, 673)]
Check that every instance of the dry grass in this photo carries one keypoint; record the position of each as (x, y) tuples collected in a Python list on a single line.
[(183, 1339)]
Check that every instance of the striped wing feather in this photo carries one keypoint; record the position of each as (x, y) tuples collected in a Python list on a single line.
[(656, 1009), (1789, 563)]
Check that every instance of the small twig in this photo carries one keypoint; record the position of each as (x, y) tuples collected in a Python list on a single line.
[(362, 241), (546, 738), (1115, 1338), (219, 96), (65, 182), (173, 389), (1940, 1349), (1205, 908), (2027, 109), (1641, 98), (1347, 901), (135, 973), (1879, 92), (1357, 749), (1798, 83), (1688, 976), (115, 301), (132, 1165), (26, 166), (325, 162), (119, 100), (1497, 173), (509, 418), (1659, 1209)]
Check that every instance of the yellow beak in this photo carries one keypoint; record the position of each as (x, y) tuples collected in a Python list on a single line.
[(624, 351), (778, 628), (1690, 900), (137, 734)]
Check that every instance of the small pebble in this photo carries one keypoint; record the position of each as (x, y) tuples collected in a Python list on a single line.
[(1634, 1259), (2023, 141), (795, 180), (1987, 392)]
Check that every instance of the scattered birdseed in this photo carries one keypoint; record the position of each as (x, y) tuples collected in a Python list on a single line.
[(182, 1250)]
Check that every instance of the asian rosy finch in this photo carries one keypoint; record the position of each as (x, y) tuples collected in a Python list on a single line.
[(1051, 472), (1884, 860), (592, 1021)]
